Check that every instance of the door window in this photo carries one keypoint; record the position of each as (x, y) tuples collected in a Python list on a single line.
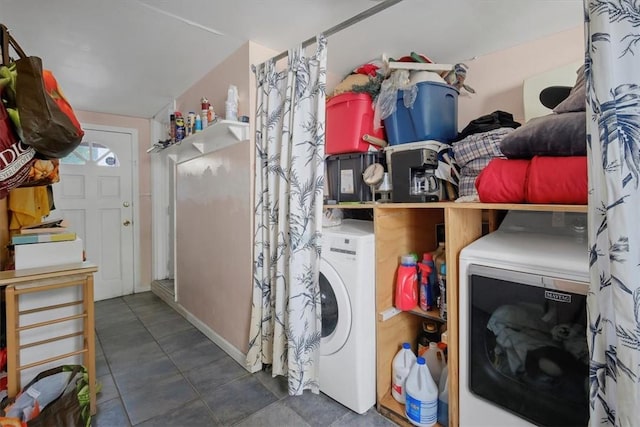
[(89, 151)]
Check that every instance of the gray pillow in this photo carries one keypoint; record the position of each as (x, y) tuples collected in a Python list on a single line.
[(551, 135), (577, 99)]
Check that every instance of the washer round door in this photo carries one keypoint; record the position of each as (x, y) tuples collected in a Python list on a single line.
[(336, 310)]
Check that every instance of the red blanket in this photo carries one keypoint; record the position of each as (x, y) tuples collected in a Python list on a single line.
[(548, 180)]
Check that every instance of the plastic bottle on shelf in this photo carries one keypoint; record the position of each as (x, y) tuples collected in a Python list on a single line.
[(421, 407), (198, 126), (231, 104), (427, 275), (439, 257), (439, 254), (204, 106), (435, 361), (211, 116), (407, 284), (429, 333), (442, 281), (180, 128), (191, 123), (443, 398), (172, 127), (402, 363)]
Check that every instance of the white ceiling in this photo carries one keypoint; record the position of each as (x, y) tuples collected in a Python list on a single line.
[(132, 57)]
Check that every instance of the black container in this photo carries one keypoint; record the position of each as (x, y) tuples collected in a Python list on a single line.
[(344, 176), (413, 176), (429, 333)]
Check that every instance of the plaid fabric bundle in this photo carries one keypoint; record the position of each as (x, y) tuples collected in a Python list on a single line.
[(473, 153)]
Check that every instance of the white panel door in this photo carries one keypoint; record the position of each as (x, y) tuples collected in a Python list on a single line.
[(95, 194)]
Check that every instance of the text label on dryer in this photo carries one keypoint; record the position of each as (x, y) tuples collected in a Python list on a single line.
[(342, 251), (556, 296)]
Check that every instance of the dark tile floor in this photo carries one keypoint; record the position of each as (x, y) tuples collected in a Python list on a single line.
[(156, 369)]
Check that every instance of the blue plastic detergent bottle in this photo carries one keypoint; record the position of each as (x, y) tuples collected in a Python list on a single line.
[(428, 279)]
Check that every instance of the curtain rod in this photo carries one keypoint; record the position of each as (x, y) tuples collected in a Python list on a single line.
[(345, 24)]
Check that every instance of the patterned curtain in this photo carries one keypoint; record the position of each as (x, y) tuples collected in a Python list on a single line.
[(289, 183), (612, 70)]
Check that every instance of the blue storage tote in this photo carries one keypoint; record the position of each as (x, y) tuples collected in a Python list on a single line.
[(434, 115)]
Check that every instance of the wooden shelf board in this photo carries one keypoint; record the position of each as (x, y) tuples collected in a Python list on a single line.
[(431, 314), (351, 206), (490, 206), (471, 205)]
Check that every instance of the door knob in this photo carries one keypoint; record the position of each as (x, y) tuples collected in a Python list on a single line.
[(125, 204), (126, 223)]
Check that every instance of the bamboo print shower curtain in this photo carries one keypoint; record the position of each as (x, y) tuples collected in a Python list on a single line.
[(289, 183), (612, 70)]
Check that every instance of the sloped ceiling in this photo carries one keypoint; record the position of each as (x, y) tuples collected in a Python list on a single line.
[(132, 57)]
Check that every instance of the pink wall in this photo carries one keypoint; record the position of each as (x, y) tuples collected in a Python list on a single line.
[(498, 77), (235, 70), (143, 126), (214, 199), (213, 241)]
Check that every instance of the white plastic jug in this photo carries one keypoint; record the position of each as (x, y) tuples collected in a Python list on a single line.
[(435, 361), (402, 363), (443, 398), (421, 407)]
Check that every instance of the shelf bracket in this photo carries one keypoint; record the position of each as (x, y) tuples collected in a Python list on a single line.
[(239, 132), (389, 313), (199, 146)]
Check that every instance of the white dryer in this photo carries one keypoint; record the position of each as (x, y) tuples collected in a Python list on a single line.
[(347, 287)]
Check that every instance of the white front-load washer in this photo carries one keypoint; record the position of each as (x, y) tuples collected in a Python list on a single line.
[(347, 287)]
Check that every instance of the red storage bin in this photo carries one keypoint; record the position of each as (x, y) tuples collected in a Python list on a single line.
[(349, 117)]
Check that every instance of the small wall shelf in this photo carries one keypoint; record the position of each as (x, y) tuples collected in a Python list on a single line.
[(219, 135)]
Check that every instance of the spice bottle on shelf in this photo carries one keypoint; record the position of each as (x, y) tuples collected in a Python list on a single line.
[(204, 106), (401, 365), (406, 297), (191, 123)]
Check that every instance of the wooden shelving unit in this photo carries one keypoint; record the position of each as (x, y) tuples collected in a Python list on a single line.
[(411, 227)]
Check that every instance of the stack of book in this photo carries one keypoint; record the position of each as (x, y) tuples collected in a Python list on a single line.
[(46, 244)]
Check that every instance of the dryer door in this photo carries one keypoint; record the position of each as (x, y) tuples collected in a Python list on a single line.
[(336, 310)]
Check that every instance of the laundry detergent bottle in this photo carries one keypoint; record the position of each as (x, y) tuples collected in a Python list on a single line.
[(402, 363), (421, 407), (407, 284), (426, 267)]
